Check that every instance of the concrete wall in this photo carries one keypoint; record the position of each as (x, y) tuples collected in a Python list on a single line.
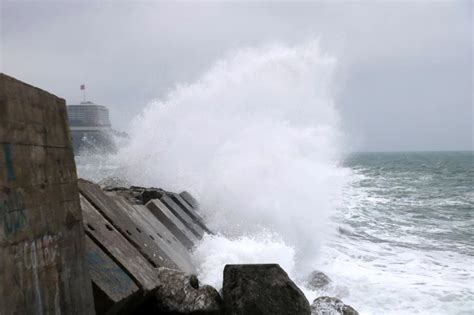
[(42, 266)]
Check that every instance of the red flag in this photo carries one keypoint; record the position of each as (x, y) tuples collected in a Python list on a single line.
[(83, 87)]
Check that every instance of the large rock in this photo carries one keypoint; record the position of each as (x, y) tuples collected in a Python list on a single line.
[(179, 293), (261, 289), (318, 280), (326, 305)]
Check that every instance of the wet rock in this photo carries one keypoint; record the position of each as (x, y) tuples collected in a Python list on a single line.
[(318, 280), (180, 293), (261, 289), (136, 194), (113, 182), (149, 194), (189, 199), (326, 305)]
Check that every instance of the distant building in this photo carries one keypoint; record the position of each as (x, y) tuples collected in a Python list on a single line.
[(88, 114), (90, 127)]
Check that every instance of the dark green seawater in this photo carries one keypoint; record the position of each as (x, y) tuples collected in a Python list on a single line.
[(406, 233)]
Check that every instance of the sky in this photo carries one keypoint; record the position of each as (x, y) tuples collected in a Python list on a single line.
[(404, 75)]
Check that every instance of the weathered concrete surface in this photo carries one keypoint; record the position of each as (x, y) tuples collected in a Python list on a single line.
[(118, 217), (115, 245), (42, 266), (180, 201), (169, 220), (183, 216), (114, 290), (127, 241), (261, 289), (190, 200), (175, 251)]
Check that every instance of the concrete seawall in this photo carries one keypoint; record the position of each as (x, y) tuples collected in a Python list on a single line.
[(42, 248)]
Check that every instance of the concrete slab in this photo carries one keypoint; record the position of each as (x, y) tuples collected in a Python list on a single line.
[(115, 245), (190, 199), (190, 211), (172, 223), (159, 233), (183, 216), (117, 215), (114, 290)]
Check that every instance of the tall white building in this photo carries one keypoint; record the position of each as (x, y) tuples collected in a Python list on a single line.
[(90, 127)]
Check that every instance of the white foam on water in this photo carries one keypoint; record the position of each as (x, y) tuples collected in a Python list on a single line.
[(216, 251), (257, 140)]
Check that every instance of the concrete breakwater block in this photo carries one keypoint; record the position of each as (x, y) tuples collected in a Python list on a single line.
[(114, 290), (118, 217), (183, 216), (42, 265), (172, 223), (175, 251), (136, 239), (190, 211), (117, 246), (261, 289), (190, 200)]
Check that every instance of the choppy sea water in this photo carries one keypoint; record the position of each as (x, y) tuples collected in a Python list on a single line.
[(404, 236), (259, 141), (401, 241)]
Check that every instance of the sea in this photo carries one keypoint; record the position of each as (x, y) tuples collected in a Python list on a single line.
[(400, 242), (260, 141), (405, 234)]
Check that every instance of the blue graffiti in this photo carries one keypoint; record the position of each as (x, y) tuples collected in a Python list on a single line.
[(12, 213), (7, 151)]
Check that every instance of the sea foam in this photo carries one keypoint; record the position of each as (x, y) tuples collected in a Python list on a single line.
[(257, 140)]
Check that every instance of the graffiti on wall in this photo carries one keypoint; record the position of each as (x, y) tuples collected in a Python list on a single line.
[(13, 213), (32, 258), (38, 253), (7, 152)]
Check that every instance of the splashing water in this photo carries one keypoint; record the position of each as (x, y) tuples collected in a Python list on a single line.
[(256, 139)]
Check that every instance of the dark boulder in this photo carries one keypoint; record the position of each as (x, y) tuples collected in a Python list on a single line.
[(317, 280), (136, 194), (326, 305), (180, 293), (262, 289)]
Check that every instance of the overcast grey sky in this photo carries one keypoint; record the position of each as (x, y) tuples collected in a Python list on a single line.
[(404, 75)]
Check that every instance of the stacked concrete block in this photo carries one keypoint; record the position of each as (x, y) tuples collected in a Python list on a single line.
[(128, 241), (42, 266)]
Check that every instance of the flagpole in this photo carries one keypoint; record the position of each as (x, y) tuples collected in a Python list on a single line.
[(83, 89)]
